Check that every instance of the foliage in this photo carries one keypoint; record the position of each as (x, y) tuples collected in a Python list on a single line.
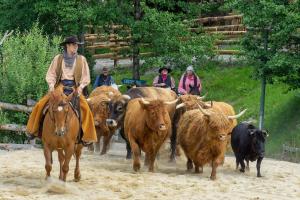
[(281, 19), (162, 29), (160, 25), (27, 57), (57, 17)]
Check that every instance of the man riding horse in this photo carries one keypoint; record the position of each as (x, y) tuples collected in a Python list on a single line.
[(67, 72)]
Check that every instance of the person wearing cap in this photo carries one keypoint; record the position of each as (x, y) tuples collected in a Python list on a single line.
[(67, 70), (189, 82), (104, 78), (164, 80)]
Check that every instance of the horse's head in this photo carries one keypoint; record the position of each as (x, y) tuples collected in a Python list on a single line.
[(59, 107)]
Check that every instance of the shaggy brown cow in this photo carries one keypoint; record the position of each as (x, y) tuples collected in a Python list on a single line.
[(98, 102), (119, 103), (147, 125), (202, 135), (184, 103)]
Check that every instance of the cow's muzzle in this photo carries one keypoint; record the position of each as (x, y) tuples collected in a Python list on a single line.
[(111, 122), (162, 127), (222, 137)]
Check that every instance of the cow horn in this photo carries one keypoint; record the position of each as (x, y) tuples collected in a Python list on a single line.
[(145, 101), (88, 99), (180, 105), (119, 86), (107, 100), (110, 94), (203, 97), (126, 96), (203, 111), (238, 115), (208, 105), (171, 102)]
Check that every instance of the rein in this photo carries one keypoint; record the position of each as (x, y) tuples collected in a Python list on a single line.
[(65, 120)]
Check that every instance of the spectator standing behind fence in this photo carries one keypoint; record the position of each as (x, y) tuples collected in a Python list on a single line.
[(189, 83), (164, 80), (104, 78)]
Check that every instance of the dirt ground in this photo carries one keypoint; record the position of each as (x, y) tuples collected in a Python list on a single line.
[(22, 176)]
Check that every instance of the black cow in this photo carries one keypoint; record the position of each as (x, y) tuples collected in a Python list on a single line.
[(248, 143)]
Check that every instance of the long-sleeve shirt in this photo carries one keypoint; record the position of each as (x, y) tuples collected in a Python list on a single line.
[(189, 81), (68, 73)]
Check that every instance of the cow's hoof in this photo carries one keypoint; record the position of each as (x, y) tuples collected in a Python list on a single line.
[(213, 178), (259, 175), (77, 179), (242, 170), (102, 153), (128, 156), (136, 167), (197, 171)]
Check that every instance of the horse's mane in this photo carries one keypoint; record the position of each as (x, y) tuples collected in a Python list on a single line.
[(56, 96)]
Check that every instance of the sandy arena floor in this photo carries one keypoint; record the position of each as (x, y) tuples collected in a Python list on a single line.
[(22, 176)]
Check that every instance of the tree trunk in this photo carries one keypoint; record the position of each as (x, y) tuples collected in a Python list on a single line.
[(135, 42)]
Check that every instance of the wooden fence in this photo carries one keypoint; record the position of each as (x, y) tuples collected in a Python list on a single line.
[(15, 107), (116, 47)]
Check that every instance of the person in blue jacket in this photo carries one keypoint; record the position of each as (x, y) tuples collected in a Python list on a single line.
[(104, 78)]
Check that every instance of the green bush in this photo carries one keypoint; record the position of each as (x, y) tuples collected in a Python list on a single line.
[(26, 58)]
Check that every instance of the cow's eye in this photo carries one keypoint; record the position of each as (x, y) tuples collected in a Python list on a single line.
[(119, 109)]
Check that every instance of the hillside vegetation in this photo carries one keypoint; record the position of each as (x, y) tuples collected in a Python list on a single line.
[(236, 86)]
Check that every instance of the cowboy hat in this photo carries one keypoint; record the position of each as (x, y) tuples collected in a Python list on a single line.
[(162, 68), (71, 39)]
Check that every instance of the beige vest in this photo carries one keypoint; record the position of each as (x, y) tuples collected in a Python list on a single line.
[(77, 70)]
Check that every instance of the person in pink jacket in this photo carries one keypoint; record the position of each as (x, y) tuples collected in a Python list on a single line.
[(189, 83)]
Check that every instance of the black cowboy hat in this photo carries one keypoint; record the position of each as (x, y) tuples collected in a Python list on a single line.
[(71, 40), (162, 68)]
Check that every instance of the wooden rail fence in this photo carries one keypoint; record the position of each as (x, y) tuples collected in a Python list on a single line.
[(229, 30)]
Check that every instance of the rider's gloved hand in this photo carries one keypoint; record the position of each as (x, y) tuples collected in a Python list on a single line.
[(79, 90), (51, 88)]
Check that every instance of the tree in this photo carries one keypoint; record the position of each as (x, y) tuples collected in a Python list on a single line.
[(156, 23), (64, 18), (280, 20), (159, 24)]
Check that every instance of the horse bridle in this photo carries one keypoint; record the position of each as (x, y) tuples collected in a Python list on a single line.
[(53, 118)]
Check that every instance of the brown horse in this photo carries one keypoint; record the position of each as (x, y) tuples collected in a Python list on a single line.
[(60, 132)]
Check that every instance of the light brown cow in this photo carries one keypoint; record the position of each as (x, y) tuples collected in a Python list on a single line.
[(147, 125), (184, 103), (119, 103), (98, 102), (202, 135)]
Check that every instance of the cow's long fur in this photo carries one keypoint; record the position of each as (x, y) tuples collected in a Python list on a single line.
[(98, 102), (199, 137), (141, 127), (190, 102), (146, 92)]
